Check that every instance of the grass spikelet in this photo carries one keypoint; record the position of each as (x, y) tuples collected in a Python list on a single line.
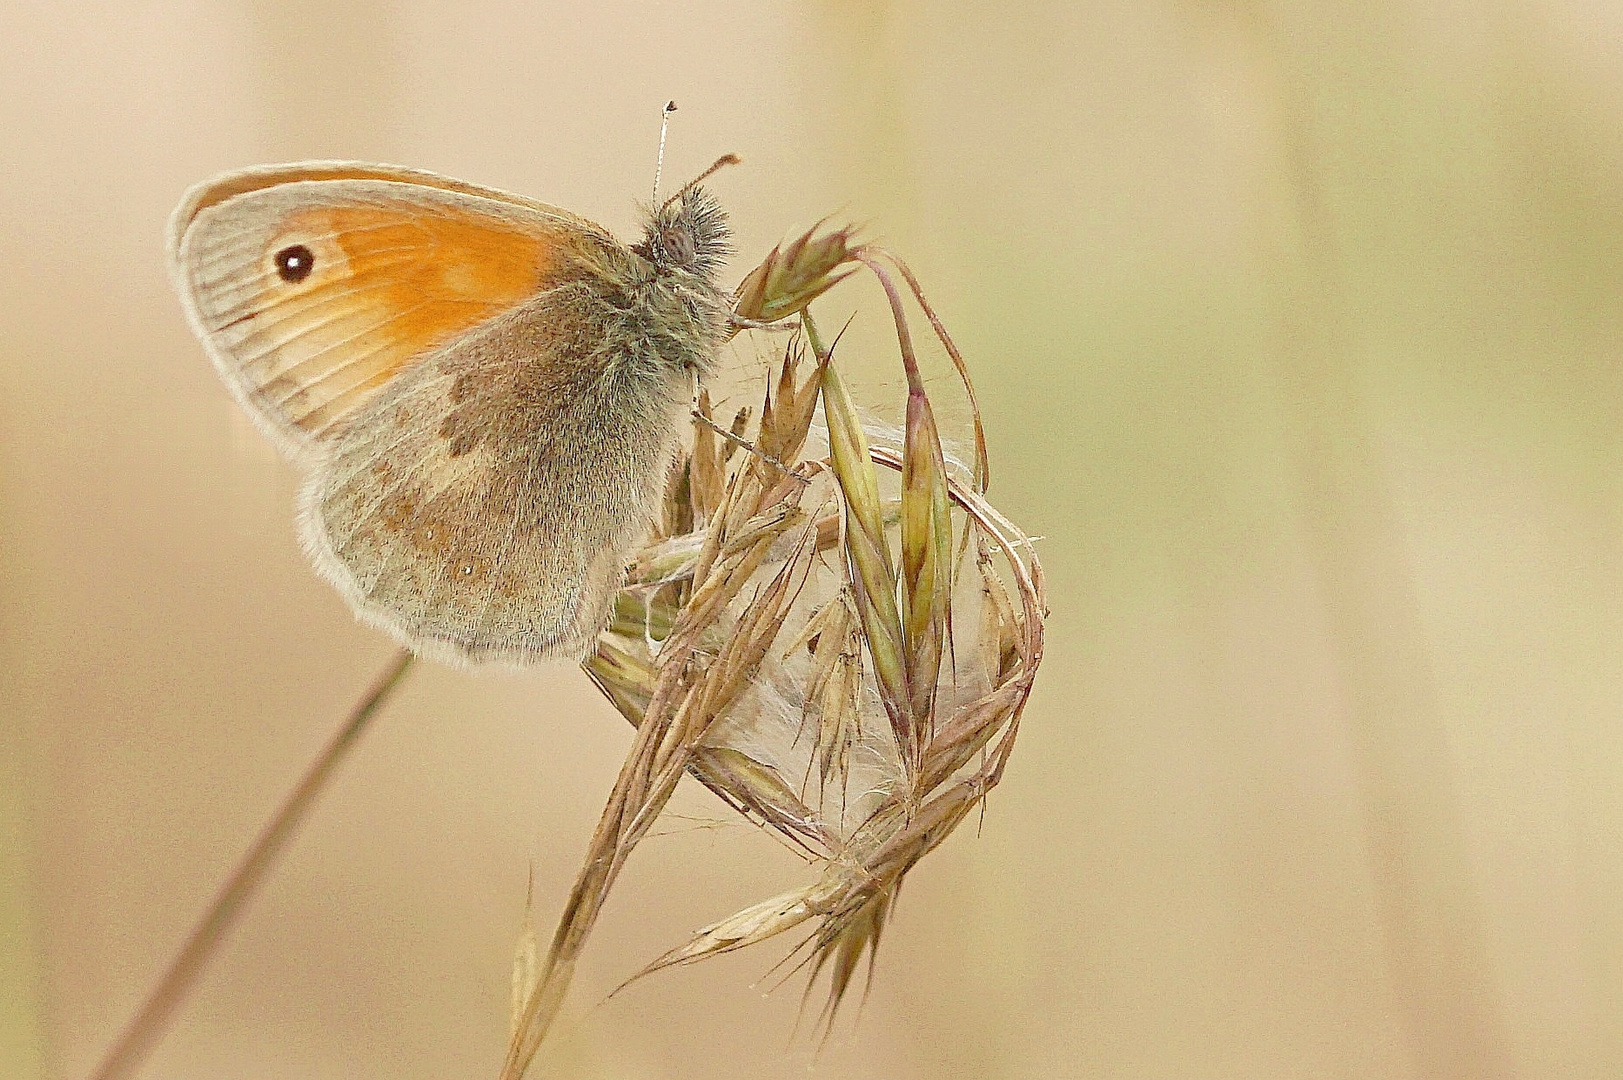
[(794, 274), (785, 639), (873, 582)]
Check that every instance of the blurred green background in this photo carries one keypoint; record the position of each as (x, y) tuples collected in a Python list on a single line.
[(1298, 331)]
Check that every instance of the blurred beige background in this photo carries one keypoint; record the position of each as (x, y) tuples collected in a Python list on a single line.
[(1298, 331)]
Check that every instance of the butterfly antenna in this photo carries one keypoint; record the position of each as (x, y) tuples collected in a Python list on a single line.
[(659, 161), (722, 162)]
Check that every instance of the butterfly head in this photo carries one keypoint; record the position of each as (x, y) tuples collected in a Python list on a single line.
[(688, 233)]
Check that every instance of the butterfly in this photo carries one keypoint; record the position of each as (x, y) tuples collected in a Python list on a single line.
[(485, 392)]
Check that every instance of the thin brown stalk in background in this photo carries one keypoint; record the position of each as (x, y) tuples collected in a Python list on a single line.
[(142, 1034)]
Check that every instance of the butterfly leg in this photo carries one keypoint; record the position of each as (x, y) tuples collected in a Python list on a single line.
[(701, 418)]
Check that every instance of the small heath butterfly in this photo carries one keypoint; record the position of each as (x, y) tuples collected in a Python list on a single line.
[(485, 391)]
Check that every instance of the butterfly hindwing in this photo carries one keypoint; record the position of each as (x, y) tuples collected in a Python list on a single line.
[(484, 505)]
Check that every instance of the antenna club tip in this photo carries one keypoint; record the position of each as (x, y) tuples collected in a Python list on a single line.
[(670, 107)]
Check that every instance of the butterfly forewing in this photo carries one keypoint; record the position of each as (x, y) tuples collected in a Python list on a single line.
[(313, 294)]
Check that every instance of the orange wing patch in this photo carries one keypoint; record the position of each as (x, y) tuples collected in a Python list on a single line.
[(312, 296), (379, 292)]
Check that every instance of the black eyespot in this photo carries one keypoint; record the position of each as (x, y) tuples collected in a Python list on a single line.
[(295, 263)]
